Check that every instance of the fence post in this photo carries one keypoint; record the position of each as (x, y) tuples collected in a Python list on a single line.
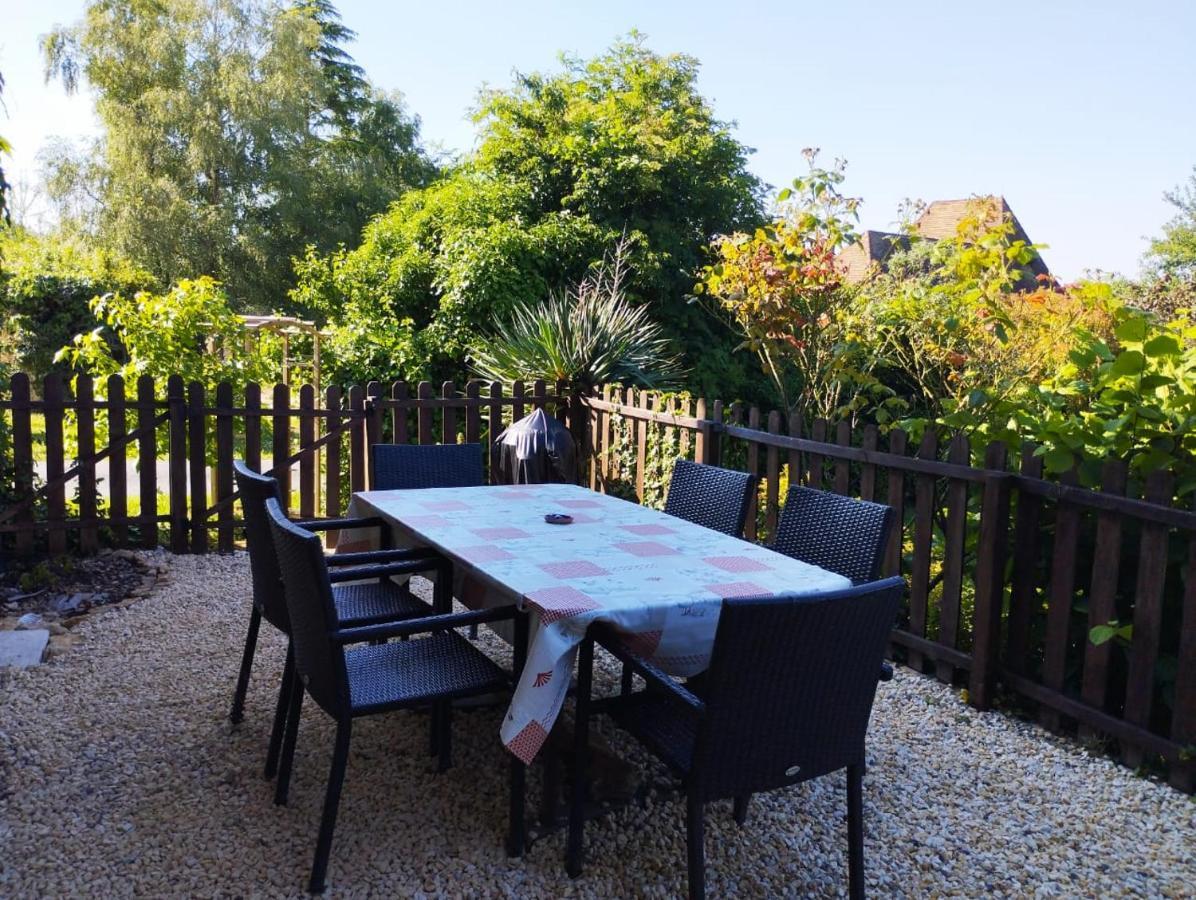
[(22, 450), (118, 489), (85, 434), (356, 440), (177, 455), (224, 466), (147, 461), (990, 578), (580, 428), (197, 449), (52, 395)]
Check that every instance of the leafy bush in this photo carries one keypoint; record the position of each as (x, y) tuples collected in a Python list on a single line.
[(46, 284), (588, 336)]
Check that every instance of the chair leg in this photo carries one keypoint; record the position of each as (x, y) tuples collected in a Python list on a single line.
[(855, 832), (283, 785), (625, 680), (695, 839), (445, 737), (575, 849), (280, 712), (741, 808), (238, 710), (517, 827), (332, 799)]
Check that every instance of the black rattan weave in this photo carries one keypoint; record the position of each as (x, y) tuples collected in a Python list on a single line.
[(836, 533), (788, 696), (368, 679), (709, 496), (400, 467)]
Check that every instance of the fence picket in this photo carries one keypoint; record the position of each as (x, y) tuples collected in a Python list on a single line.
[(448, 391), (843, 466), (641, 443), (1102, 598), (357, 459), (896, 499), (118, 488), (1062, 587), (332, 462), (1023, 596), (22, 455), (85, 442), (53, 398), (398, 425), (280, 425), (990, 579), (473, 418), (197, 449), (868, 470), (1148, 615), (224, 466), (495, 428), (1183, 716), (147, 461), (253, 426), (954, 536), (307, 462), (772, 469), (815, 461)]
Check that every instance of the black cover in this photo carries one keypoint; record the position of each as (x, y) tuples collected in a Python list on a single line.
[(537, 449)]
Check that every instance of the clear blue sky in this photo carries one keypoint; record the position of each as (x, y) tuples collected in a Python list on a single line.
[(1081, 113)]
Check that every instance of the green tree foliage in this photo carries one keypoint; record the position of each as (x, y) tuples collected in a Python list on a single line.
[(5, 187), (587, 336), (235, 133), (1174, 252), (567, 163), (45, 286)]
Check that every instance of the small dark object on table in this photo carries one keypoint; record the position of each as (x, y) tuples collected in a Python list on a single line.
[(558, 519)]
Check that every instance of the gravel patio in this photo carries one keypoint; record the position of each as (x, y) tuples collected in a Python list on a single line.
[(121, 775)]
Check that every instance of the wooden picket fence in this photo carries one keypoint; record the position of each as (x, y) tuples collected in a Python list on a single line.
[(1008, 571), (991, 553)]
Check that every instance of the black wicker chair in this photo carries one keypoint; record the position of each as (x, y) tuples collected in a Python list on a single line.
[(789, 694), (709, 496), (376, 600), (363, 680), (400, 467), (836, 533)]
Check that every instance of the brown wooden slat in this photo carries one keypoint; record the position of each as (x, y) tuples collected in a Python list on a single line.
[(815, 461), (118, 479), (843, 466), (772, 474), (280, 423), (896, 499), (1148, 615), (197, 449), (85, 422), (22, 449), (751, 523), (953, 548), (357, 460), (253, 426), (1059, 602), (177, 464), (517, 394), (603, 449), (700, 434), (714, 439), (473, 417), (795, 470), (924, 503), (147, 462), (990, 581), (1183, 715), (539, 394), (373, 425), (641, 443), (1102, 597), (424, 415), (332, 466), (868, 470), (682, 407), (53, 397), (495, 428), (1023, 597), (398, 392), (224, 467), (448, 391), (307, 462)]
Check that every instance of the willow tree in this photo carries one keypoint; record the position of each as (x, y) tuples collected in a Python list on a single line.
[(235, 132)]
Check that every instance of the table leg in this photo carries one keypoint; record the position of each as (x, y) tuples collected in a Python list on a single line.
[(575, 851), (517, 835)]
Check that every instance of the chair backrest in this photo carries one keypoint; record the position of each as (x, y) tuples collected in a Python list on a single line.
[(841, 534), (308, 593), (399, 467), (709, 496), (255, 490), (790, 687)]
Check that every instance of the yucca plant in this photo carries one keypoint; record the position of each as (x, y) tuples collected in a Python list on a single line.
[(588, 335)]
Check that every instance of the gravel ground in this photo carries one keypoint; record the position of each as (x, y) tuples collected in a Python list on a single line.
[(120, 774)]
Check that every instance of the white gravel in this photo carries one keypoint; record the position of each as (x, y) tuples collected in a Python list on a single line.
[(120, 775)]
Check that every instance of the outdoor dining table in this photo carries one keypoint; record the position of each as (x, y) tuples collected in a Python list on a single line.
[(658, 580)]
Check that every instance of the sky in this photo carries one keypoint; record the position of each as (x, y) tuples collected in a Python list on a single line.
[(1082, 113)]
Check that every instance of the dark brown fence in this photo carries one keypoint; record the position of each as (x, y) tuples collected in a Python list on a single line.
[(1008, 571)]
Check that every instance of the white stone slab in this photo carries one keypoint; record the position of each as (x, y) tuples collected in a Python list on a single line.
[(22, 649)]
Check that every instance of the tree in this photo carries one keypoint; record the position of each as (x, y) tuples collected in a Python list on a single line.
[(5, 187), (567, 163), (1174, 253), (235, 133)]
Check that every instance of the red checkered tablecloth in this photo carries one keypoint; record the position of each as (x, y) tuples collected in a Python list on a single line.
[(658, 579)]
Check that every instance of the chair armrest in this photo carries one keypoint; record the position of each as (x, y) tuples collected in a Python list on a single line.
[(610, 640), (408, 627), (383, 570), (384, 556), (886, 672), (339, 524)]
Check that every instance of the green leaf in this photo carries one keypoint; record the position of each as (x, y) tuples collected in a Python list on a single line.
[(1162, 345), (1101, 634), (1058, 459), (1132, 330), (1130, 362)]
